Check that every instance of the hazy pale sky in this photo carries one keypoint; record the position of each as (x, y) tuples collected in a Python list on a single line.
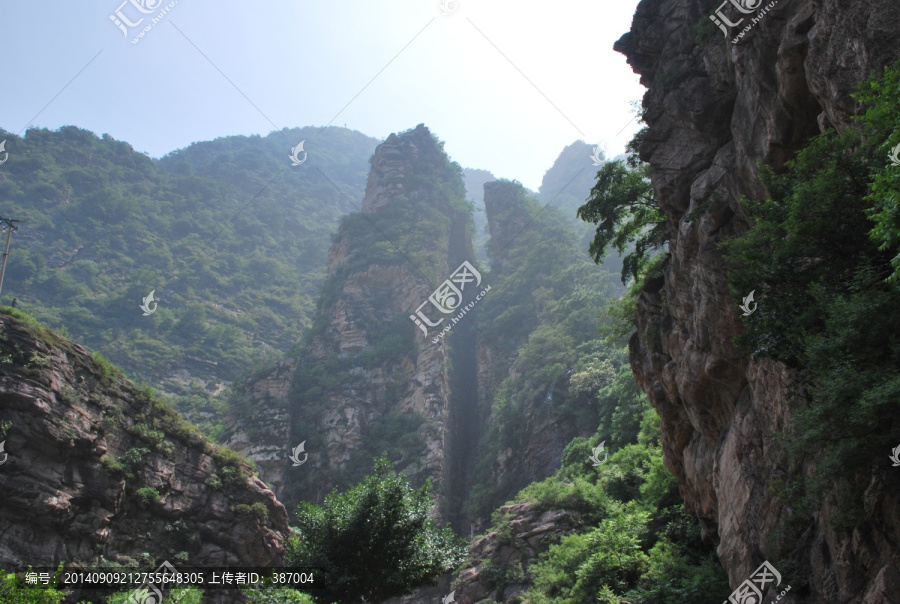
[(506, 84)]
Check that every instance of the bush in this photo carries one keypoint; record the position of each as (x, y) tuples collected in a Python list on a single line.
[(828, 302), (147, 495), (108, 372), (375, 541), (16, 591), (257, 510)]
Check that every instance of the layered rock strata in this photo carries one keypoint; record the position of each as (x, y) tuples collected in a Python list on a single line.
[(97, 471), (715, 111)]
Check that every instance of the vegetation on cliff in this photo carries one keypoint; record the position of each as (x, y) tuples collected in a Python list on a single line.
[(374, 541), (234, 248), (628, 218), (632, 540), (541, 316), (822, 256)]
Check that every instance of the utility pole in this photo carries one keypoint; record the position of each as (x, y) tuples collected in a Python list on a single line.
[(10, 227)]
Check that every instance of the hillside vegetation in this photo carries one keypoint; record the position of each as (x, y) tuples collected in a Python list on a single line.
[(230, 237)]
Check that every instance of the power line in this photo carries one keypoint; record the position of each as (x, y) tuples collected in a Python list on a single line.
[(10, 227)]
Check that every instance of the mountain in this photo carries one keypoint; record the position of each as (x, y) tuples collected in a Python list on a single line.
[(781, 94), (100, 473), (228, 236), (568, 182), (445, 405)]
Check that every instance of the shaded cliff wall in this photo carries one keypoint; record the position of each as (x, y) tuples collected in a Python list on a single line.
[(81, 441), (368, 380), (528, 344), (714, 111)]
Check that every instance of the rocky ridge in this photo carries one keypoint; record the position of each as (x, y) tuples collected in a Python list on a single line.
[(714, 110), (98, 472)]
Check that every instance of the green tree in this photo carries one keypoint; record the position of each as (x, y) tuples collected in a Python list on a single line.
[(14, 590), (374, 541), (623, 208), (881, 119), (829, 302)]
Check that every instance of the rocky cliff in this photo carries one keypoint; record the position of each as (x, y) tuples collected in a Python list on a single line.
[(99, 472), (502, 556), (715, 110), (368, 379), (542, 430)]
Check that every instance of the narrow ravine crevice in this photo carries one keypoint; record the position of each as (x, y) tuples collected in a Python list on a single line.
[(462, 421)]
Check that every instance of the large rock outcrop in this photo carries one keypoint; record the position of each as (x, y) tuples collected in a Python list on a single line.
[(367, 370), (496, 570), (98, 471), (714, 111)]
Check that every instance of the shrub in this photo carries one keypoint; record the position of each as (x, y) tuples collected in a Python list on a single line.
[(15, 591), (257, 510), (108, 371), (147, 495)]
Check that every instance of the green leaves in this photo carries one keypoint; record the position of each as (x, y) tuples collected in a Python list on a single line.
[(882, 119), (624, 210), (375, 540), (822, 256)]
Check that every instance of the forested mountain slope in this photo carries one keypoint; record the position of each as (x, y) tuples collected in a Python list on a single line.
[(231, 238)]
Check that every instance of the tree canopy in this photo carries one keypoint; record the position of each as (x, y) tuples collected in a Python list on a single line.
[(625, 211), (374, 541)]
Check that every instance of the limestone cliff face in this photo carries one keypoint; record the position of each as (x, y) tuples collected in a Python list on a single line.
[(368, 377), (264, 437), (715, 110), (82, 442)]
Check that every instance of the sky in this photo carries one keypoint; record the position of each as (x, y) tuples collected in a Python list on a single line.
[(505, 84)]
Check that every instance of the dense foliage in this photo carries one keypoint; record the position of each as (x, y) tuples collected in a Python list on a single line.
[(231, 238), (14, 590), (374, 541), (623, 207), (633, 541), (541, 315), (821, 256)]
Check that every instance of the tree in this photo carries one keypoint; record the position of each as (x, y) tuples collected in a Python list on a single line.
[(374, 541), (624, 209), (828, 304)]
